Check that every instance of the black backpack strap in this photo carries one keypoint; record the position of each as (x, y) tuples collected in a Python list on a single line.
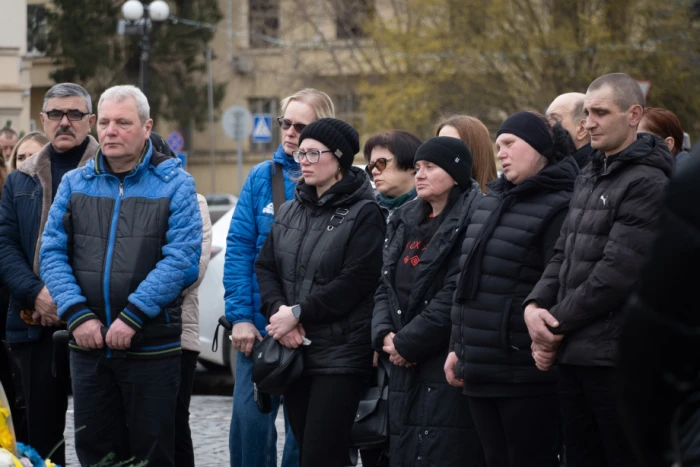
[(277, 179)]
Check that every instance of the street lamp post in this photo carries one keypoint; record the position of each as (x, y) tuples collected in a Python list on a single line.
[(140, 23)]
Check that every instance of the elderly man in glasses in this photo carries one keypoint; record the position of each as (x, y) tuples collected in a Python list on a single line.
[(32, 319), (389, 157)]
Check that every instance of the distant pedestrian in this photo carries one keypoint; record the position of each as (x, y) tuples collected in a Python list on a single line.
[(568, 110)]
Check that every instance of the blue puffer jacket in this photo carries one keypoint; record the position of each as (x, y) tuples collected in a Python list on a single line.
[(125, 250), (252, 219)]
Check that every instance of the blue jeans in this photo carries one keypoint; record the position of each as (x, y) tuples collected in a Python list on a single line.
[(253, 435)]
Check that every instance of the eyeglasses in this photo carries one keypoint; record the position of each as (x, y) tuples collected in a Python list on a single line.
[(312, 156), (286, 124), (73, 115), (380, 165)]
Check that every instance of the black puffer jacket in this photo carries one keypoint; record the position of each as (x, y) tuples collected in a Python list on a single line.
[(507, 246), (604, 242), (337, 312), (430, 420)]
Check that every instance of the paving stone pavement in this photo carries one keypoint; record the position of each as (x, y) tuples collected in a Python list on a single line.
[(210, 417)]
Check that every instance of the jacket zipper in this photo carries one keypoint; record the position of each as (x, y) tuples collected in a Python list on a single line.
[(108, 259)]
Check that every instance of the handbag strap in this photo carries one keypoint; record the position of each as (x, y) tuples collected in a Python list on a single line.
[(277, 180), (336, 219)]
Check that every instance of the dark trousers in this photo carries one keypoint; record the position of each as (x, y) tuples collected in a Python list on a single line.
[(518, 431), (321, 411), (125, 407), (45, 396), (12, 384), (593, 433), (184, 451)]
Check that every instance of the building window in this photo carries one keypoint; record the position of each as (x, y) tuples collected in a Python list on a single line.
[(266, 105), (36, 30), (263, 23), (347, 108), (351, 18)]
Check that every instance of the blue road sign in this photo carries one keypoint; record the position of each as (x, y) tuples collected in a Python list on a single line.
[(175, 141), (262, 128), (183, 158)]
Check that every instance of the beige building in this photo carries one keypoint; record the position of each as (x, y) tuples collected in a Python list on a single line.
[(263, 49)]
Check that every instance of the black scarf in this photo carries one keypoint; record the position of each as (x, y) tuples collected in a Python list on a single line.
[(555, 177)]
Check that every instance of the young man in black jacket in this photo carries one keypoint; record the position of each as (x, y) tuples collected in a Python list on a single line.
[(574, 314)]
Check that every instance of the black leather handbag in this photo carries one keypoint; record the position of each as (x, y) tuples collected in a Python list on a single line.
[(275, 366), (371, 427)]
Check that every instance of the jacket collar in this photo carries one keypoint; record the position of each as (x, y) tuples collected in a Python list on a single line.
[(41, 161), (162, 165)]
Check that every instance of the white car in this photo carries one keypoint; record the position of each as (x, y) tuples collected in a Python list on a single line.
[(211, 303)]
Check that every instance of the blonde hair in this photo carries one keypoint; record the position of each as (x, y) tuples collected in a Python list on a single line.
[(37, 136), (475, 134), (317, 100)]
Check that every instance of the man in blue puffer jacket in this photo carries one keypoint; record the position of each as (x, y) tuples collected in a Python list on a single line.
[(253, 436), (122, 241)]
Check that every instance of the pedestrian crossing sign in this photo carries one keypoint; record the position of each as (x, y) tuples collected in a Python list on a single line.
[(262, 128)]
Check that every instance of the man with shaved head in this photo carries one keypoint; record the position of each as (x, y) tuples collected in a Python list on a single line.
[(575, 312), (567, 109)]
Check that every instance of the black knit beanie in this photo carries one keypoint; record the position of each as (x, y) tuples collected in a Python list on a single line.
[(530, 128), (452, 155), (338, 136)]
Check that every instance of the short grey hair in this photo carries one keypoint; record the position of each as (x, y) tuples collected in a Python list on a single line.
[(67, 90), (578, 112), (121, 93)]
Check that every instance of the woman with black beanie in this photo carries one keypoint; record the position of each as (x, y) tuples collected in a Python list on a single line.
[(508, 243), (429, 420), (335, 229)]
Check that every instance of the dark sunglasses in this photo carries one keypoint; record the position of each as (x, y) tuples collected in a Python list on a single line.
[(286, 124), (379, 164), (72, 114)]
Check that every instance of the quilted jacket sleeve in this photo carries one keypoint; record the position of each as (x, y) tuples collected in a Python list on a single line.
[(241, 249), (614, 277), (15, 270), (55, 267), (179, 267)]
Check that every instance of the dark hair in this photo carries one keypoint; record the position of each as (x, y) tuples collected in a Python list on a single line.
[(626, 90), (402, 144), (474, 133), (562, 143), (664, 123)]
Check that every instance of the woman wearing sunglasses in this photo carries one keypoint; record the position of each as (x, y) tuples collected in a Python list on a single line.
[(389, 157), (252, 440), (333, 213), (430, 423)]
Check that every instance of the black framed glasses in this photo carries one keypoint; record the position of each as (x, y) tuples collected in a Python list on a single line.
[(380, 164), (285, 124), (312, 155), (74, 115)]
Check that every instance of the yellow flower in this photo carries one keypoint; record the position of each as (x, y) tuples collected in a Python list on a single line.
[(6, 439)]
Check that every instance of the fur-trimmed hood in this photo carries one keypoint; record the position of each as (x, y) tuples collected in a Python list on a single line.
[(39, 166)]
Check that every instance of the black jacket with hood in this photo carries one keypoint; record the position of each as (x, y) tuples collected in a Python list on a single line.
[(508, 244), (430, 422), (604, 242), (337, 312)]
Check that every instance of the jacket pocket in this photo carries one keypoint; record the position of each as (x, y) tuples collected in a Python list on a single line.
[(505, 324)]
